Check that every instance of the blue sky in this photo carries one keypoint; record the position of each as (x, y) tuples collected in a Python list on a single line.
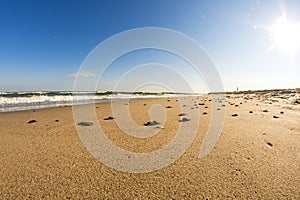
[(42, 43)]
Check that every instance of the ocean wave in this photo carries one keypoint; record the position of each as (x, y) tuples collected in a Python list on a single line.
[(17, 101)]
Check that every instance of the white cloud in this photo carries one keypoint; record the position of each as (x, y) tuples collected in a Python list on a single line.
[(84, 74)]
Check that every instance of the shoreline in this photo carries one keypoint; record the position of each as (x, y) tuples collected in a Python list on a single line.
[(15, 107), (53, 105)]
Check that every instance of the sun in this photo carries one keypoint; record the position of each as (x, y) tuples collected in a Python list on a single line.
[(286, 35)]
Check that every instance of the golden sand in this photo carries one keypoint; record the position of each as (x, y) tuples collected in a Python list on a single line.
[(256, 157)]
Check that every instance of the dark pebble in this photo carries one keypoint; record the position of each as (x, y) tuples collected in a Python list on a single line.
[(184, 120), (151, 123), (234, 115), (31, 121), (275, 117), (85, 124), (108, 118), (270, 144)]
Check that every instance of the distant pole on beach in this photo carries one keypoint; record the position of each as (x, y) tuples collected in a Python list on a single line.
[(237, 89)]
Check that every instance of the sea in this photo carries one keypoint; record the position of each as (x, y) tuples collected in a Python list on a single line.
[(18, 101)]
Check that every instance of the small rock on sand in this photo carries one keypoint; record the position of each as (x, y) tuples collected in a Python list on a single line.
[(270, 144), (265, 111), (181, 114), (151, 123), (204, 113), (281, 112), (31, 121), (234, 115), (184, 119), (108, 118), (250, 111), (169, 107), (275, 117), (85, 124)]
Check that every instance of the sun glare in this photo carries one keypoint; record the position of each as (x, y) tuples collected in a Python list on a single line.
[(286, 35)]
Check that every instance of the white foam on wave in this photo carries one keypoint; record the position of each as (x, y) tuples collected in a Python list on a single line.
[(36, 100)]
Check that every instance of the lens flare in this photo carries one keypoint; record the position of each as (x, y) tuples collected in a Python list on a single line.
[(286, 35)]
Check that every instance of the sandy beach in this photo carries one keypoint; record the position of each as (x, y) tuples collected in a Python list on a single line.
[(257, 155)]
